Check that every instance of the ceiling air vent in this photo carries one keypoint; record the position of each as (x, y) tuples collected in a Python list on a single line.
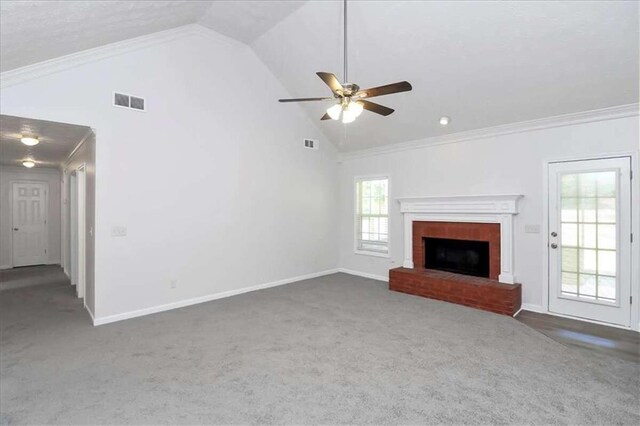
[(137, 103), (311, 143), (128, 101)]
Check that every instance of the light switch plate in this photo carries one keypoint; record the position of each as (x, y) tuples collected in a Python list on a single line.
[(119, 231), (532, 229)]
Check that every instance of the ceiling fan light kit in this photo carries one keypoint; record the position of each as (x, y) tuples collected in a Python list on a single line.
[(349, 98)]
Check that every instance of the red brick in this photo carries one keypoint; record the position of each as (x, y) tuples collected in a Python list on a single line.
[(481, 293)]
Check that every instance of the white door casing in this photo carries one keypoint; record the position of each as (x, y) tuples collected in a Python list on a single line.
[(590, 239), (29, 223), (81, 231), (73, 228)]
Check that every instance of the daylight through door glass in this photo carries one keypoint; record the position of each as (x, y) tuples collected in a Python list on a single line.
[(588, 235)]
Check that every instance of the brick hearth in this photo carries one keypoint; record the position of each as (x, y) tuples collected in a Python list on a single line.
[(481, 293)]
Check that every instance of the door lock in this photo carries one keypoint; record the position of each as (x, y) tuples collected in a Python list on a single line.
[(554, 246), (554, 234)]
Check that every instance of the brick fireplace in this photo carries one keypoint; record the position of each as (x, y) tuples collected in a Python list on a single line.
[(459, 249), (486, 232)]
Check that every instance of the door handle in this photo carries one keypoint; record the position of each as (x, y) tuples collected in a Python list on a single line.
[(15, 229), (554, 234), (554, 246)]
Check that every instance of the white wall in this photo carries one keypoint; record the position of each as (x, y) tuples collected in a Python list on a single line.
[(212, 182), (52, 178), (509, 164)]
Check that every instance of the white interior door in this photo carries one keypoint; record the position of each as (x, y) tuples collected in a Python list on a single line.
[(590, 239), (29, 223)]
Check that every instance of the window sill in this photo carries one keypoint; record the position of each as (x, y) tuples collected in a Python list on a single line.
[(371, 253)]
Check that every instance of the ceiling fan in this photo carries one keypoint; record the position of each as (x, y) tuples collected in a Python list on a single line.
[(349, 99)]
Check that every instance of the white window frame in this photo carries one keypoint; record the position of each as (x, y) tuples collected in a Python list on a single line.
[(356, 248)]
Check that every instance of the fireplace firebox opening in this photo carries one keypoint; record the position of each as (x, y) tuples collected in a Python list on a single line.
[(460, 256)]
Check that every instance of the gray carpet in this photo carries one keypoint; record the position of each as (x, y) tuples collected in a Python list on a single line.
[(337, 349), (32, 275)]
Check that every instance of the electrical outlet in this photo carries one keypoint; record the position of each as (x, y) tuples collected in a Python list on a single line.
[(174, 283), (119, 231)]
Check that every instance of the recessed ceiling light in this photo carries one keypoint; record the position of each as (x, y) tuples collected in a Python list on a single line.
[(28, 164), (29, 140), (444, 120)]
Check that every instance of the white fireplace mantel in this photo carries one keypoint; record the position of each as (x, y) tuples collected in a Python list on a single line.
[(472, 208)]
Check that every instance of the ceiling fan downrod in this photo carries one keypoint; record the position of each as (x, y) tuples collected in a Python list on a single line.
[(344, 50), (348, 99)]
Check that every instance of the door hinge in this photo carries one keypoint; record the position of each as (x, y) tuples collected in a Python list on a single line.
[(631, 300), (630, 174), (45, 251), (632, 237)]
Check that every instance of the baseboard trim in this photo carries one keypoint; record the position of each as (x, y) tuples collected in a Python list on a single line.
[(364, 274), (49, 262), (93, 318), (532, 308), (196, 300)]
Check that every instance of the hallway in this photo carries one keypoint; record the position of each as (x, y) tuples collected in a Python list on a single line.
[(32, 276), (44, 294)]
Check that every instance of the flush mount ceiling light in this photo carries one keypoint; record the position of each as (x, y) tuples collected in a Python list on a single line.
[(348, 98), (444, 120), (28, 163), (29, 140)]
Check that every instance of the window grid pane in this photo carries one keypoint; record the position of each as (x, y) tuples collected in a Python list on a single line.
[(372, 215), (589, 235)]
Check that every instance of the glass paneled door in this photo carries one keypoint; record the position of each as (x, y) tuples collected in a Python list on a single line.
[(590, 239)]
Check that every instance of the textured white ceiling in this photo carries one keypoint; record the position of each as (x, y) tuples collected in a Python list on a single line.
[(34, 31), (57, 140), (246, 20), (481, 63)]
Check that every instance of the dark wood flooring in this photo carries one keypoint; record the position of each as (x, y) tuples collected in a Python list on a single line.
[(616, 342)]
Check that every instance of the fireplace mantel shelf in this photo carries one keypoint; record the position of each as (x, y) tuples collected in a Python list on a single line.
[(464, 208), (497, 204)]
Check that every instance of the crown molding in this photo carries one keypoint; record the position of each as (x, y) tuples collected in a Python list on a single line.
[(603, 114), (62, 63)]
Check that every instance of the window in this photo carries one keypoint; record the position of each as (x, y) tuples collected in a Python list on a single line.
[(372, 216)]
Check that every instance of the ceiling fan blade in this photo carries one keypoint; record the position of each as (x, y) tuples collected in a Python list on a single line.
[(331, 81), (388, 89), (303, 99), (326, 117), (377, 108)]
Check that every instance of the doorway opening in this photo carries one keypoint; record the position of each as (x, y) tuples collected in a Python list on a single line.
[(47, 206)]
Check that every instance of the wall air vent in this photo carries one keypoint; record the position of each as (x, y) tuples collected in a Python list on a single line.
[(311, 143), (121, 100)]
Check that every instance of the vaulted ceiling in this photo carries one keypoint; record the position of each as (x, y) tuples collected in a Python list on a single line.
[(481, 63), (34, 31)]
